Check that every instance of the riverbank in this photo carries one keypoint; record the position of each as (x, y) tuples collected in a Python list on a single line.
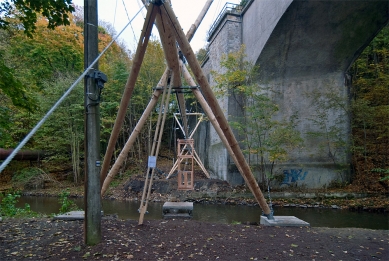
[(215, 191), (46, 239), (240, 196)]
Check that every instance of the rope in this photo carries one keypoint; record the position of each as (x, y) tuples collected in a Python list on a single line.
[(141, 4), (268, 191), (114, 16), (125, 9), (40, 123)]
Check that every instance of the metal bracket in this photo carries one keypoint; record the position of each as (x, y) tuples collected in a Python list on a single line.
[(99, 77), (178, 88), (157, 2), (269, 216)]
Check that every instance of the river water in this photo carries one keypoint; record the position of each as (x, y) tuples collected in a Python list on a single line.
[(317, 217)]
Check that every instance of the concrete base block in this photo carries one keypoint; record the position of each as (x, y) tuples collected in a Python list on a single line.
[(72, 215), (284, 221), (177, 210)]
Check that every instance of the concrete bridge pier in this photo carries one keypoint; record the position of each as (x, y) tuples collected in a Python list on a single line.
[(303, 48)]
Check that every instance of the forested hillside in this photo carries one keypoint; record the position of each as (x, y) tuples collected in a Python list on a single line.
[(370, 115), (41, 67)]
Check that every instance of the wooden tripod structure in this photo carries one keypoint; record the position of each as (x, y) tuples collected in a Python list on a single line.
[(170, 34), (192, 150)]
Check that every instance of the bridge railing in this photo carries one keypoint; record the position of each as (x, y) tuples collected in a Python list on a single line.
[(229, 8)]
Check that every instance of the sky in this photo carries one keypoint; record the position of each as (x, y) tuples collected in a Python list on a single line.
[(120, 12)]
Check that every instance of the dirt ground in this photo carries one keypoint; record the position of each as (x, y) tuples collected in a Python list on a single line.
[(46, 239)]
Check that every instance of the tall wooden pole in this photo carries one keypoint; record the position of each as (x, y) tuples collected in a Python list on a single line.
[(195, 25), (92, 220), (137, 62), (171, 54), (214, 105)]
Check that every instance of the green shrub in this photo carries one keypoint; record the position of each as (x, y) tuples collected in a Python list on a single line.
[(25, 175), (66, 204), (8, 207)]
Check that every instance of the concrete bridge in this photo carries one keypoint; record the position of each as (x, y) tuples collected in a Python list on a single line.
[(303, 47)]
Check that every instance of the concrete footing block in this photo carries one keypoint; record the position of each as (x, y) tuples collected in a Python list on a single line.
[(73, 215), (284, 221), (177, 210)]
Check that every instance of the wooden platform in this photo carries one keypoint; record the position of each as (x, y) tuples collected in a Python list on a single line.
[(177, 210)]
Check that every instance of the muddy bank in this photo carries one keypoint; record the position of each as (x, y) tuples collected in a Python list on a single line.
[(215, 191)]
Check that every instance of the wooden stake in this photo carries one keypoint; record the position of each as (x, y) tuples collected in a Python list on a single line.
[(158, 136)]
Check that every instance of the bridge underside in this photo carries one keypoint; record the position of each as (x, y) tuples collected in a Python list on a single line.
[(302, 47), (319, 37), (310, 51)]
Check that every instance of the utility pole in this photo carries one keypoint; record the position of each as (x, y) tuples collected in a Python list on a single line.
[(92, 199)]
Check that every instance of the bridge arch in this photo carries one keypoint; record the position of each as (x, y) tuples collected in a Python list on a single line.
[(316, 37), (301, 46)]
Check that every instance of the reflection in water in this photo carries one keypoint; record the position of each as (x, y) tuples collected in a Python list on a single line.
[(225, 213)]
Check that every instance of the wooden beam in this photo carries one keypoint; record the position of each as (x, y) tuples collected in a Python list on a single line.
[(123, 154), (213, 103), (154, 152), (137, 62), (211, 117), (195, 25), (168, 41), (196, 156)]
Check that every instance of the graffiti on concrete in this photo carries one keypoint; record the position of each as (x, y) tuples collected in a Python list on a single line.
[(293, 175)]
